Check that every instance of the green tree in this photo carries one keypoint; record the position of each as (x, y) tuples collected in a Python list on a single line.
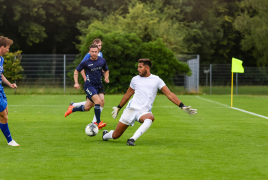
[(252, 23), (45, 24), (148, 21), (12, 67)]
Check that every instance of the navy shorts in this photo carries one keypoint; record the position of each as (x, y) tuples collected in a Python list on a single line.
[(91, 90), (3, 100)]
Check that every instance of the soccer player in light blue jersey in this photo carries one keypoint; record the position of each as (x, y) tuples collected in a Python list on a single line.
[(5, 44), (95, 67), (98, 42)]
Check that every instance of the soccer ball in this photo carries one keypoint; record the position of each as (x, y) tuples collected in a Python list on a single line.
[(92, 129)]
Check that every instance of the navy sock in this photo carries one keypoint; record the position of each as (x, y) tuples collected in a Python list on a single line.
[(6, 132), (97, 112), (79, 108)]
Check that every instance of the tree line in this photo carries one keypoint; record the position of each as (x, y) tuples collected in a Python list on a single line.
[(216, 29)]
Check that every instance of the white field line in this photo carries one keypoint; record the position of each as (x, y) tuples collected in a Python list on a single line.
[(234, 108)]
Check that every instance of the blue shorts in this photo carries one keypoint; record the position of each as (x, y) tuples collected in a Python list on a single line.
[(91, 90), (3, 100)]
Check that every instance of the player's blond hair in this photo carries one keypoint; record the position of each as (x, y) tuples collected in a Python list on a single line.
[(96, 41)]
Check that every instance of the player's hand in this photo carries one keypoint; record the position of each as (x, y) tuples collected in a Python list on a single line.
[(13, 86), (76, 86), (189, 110), (107, 80), (115, 112)]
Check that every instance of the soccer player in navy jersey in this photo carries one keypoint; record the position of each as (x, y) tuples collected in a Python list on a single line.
[(5, 44), (98, 42), (95, 66)]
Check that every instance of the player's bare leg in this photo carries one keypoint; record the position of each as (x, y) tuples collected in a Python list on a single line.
[(96, 99), (146, 120), (5, 129), (101, 95), (115, 134)]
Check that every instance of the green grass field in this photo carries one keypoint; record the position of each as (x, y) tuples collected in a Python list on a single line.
[(217, 143)]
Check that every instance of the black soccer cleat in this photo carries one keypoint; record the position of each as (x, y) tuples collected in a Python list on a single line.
[(103, 133), (130, 142)]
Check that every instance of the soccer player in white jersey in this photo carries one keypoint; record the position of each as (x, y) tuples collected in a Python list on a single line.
[(98, 42), (144, 88)]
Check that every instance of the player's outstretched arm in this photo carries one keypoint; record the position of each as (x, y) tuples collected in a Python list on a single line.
[(124, 100), (172, 97)]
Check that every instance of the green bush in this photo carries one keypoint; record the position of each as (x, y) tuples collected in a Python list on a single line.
[(12, 67), (122, 51)]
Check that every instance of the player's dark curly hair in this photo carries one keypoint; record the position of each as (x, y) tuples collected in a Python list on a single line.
[(146, 61)]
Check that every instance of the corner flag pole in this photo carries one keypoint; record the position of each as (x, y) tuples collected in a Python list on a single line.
[(232, 85), (236, 67)]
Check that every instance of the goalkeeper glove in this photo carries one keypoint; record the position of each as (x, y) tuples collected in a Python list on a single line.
[(116, 111), (188, 109)]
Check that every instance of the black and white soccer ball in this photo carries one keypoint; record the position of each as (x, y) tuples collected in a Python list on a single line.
[(92, 129)]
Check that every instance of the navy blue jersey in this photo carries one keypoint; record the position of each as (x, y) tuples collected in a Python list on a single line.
[(93, 69)]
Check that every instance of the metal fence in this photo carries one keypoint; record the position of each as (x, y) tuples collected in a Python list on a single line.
[(49, 70), (46, 70), (216, 79)]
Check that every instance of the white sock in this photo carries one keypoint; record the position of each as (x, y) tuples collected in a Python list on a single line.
[(79, 104), (108, 135), (142, 129), (94, 118)]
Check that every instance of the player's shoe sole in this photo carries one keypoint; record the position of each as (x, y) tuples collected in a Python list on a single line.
[(103, 133), (67, 113), (131, 142), (13, 143)]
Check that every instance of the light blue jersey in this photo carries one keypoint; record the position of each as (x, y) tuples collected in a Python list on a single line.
[(87, 56)]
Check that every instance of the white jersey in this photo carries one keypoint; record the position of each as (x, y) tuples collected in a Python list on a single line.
[(145, 91)]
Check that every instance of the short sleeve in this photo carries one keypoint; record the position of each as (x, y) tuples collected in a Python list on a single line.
[(105, 67), (132, 84), (80, 67), (161, 84)]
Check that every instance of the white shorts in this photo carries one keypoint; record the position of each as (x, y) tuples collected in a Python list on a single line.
[(129, 116)]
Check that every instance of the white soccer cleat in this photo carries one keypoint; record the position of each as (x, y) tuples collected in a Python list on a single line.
[(13, 143)]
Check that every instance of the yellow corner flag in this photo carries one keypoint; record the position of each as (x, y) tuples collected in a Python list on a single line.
[(237, 66)]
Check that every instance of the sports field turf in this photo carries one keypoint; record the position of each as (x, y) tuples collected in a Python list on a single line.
[(217, 143)]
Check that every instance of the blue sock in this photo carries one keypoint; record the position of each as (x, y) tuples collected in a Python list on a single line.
[(6, 132), (79, 108), (97, 112)]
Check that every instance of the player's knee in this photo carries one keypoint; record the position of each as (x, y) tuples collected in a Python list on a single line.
[(3, 120), (102, 102)]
